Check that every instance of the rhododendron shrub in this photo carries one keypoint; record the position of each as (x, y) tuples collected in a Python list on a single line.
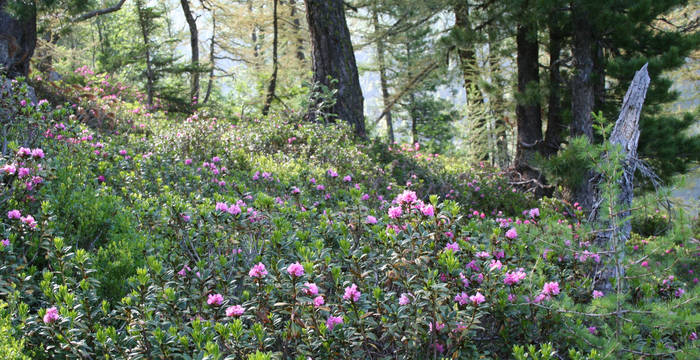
[(221, 238)]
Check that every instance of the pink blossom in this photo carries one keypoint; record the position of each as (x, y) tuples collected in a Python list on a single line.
[(482, 254), (551, 288), (14, 214), (477, 298), (514, 277), (351, 293), (311, 288), (597, 294), (295, 269), (371, 219), (454, 246), (333, 321), (365, 197), (395, 212), (495, 265), (233, 210), (258, 271), (23, 151), (462, 298), (235, 310), (592, 330), (407, 197), (221, 207), (347, 178), (8, 169), (404, 299), (428, 210), (188, 161), (51, 315), (215, 299), (29, 221), (318, 301), (533, 213), (23, 172), (512, 233), (38, 153)]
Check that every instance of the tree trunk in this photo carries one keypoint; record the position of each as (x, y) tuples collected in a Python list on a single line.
[(273, 80), (194, 46), (333, 57), (527, 110), (381, 61), (583, 100), (553, 136), (150, 75), (17, 40), (296, 22), (626, 134), (212, 60), (467, 55)]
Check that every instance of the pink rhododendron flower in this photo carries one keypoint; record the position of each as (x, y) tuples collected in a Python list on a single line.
[(512, 233), (235, 310), (14, 214), (295, 269), (215, 299), (347, 178), (5, 242), (351, 293), (597, 294), (514, 277), (551, 288), (23, 151), (454, 246), (51, 315), (233, 210), (592, 330), (533, 213), (258, 271), (404, 299), (495, 265), (395, 212), (482, 254), (38, 153), (221, 207), (311, 289), (333, 321), (371, 219), (318, 301), (408, 197), (365, 197), (8, 169), (462, 298), (477, 298), (29, 221), (428, 210)]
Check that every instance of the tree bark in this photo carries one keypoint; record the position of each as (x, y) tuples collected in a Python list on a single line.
[(212, 60), (194, 47), (150, 75), (333, 58), (626, 135), (381, 61), (467, 55), (527, 110), (555, 126), (296, 22), (17, 40), (273, 80), (583, 100)]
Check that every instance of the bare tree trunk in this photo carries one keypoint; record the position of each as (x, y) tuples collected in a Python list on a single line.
[(273, 80), (194, 46), (383, 77), (333, 58), (527, 110), (626, 134), (212, 60)]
